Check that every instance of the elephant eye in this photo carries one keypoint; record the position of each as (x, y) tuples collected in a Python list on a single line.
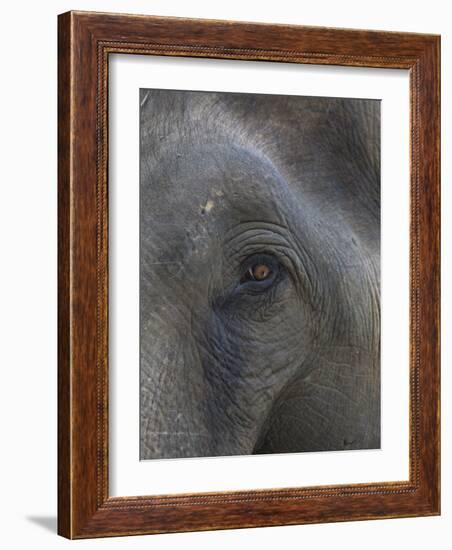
[(259, 272)]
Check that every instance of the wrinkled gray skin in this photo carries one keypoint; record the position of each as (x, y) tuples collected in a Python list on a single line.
[(227, 369)]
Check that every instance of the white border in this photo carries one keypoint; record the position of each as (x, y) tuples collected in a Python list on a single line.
[(128, 475)]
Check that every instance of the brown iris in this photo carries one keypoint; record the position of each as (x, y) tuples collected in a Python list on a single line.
[(258, 272)]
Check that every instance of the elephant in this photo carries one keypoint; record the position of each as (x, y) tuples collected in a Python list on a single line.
[(259, 274)]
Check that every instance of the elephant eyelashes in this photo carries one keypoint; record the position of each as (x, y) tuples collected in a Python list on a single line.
[(259, 272)]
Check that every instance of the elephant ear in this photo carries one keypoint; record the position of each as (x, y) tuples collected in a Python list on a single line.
[(335, 407)]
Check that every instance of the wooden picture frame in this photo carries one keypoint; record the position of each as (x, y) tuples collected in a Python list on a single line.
[(85, 42)]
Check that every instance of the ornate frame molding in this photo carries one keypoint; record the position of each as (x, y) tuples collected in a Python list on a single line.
[(85, 42)]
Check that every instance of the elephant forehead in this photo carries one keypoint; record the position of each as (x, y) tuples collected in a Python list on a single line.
[(194, 196), (207, 189)]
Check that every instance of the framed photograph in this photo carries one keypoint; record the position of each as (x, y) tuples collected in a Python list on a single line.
[(248, 275)]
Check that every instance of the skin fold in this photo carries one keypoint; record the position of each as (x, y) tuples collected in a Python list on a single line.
[(287, 188)]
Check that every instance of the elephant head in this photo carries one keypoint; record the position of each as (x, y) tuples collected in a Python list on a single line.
[(259, 281)]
